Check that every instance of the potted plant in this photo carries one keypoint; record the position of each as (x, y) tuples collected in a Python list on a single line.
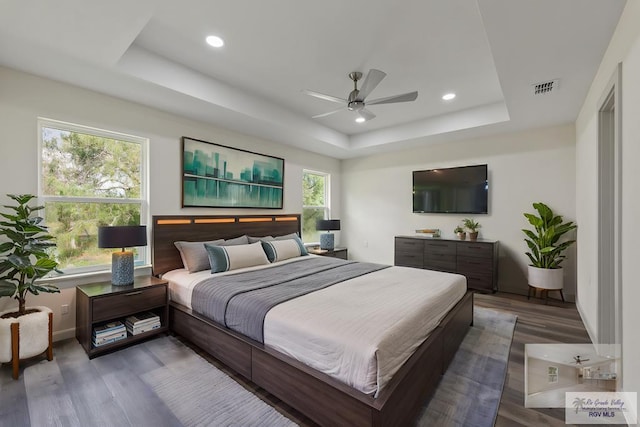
[(459, 231), (546, 250), (472, 226), (24, 258)]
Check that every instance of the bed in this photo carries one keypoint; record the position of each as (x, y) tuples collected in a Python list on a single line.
[(382, 399)]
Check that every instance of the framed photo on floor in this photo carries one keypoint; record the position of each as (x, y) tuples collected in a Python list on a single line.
[(218, 176)]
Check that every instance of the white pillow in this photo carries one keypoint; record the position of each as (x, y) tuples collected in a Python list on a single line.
[(225, 258), (279, 250)]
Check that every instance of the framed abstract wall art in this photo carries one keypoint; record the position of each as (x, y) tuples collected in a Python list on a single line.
[(218, 176)]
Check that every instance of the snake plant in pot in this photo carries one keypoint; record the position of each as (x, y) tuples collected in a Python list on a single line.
[(546, 251), (24, 258)]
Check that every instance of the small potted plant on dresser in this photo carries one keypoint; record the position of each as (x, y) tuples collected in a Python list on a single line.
[(546, 252), (24, 259), (459, 231), (472, 227)]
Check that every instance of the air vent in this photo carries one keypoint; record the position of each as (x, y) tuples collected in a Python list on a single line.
[(545, 87)]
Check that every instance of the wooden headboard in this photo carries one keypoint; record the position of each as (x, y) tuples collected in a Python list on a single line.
[(196, 228)]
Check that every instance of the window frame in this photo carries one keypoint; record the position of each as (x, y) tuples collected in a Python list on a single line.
[(143, 201), (327, 197)]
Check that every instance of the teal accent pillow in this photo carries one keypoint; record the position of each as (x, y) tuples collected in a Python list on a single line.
[(279, 250)]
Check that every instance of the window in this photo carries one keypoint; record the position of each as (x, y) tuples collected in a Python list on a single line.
[(89, 178), (315, 203)]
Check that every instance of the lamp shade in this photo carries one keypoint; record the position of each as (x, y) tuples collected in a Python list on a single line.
[(328, 224), (124, 236)]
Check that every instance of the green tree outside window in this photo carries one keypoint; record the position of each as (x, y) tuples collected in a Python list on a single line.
[(315, 203), (89, 178)]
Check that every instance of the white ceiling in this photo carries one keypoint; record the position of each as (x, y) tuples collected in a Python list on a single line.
[(565, 353), (489, 52)]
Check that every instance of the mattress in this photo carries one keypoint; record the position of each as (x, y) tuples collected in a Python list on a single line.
[(360, 331)]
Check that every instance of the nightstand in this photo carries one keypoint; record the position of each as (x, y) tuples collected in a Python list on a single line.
[(335, 253), (99, 303)]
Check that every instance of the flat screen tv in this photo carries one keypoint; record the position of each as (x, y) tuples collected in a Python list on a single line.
[(462, 190)]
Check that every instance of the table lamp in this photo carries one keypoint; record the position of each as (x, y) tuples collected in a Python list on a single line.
[(125, 236), (326, 239)]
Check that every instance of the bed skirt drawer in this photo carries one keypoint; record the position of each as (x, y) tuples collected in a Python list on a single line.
[(230, 351)]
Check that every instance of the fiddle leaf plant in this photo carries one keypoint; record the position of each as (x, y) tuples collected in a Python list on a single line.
[(471, 225), (545, 251), (25, 252)]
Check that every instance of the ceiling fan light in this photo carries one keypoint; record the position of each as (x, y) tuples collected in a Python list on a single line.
[(215, 41), (360, 120), (448, 96)]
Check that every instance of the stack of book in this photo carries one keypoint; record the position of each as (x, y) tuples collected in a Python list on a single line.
[(143, 322), (428, 232), (108, 333)]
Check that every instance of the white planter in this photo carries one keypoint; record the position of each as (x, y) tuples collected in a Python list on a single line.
[(546, 278), (34, 333)]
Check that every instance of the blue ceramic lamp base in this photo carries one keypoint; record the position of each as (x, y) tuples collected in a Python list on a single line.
[(122, 268), (327, 241)]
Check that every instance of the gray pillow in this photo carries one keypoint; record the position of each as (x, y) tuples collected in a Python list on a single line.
[(287, 236), (259, 239), (242, 240), (194, 255)]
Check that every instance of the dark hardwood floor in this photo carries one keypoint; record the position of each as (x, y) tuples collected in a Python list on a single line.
[(555, 322)]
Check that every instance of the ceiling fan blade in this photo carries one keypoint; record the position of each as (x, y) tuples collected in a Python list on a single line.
[(373, 79), (325, 97), (366, 114), (328, 114), (405, 97)]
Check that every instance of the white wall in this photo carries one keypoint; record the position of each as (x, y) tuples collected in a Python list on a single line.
[(524, 167), (24, 98), (538, 376), (624, 48)]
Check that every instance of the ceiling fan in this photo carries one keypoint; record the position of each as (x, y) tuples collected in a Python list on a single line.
[(356, 101), (578, 361)]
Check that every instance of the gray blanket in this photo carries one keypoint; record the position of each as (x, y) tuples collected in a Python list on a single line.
[(241, 301)]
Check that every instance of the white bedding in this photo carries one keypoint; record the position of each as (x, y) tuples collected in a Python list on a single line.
[(360, 331)]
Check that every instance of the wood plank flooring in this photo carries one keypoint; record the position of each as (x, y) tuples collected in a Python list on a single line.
[(556, 322)]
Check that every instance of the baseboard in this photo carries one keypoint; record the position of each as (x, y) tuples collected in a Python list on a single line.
[(592, 335), (63, 335)]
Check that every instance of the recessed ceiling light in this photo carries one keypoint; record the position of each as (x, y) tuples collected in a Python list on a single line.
[(360, 120), (215, 41), (448, 96)]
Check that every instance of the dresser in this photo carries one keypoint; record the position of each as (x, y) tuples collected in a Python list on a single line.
[(477, 260)]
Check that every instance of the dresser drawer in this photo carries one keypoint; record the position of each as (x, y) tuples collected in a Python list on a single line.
[(475, 265), (125, 303), (408, 259), (479, 281), (471, 249), (444, 264), (409, 245), (436, 247)]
